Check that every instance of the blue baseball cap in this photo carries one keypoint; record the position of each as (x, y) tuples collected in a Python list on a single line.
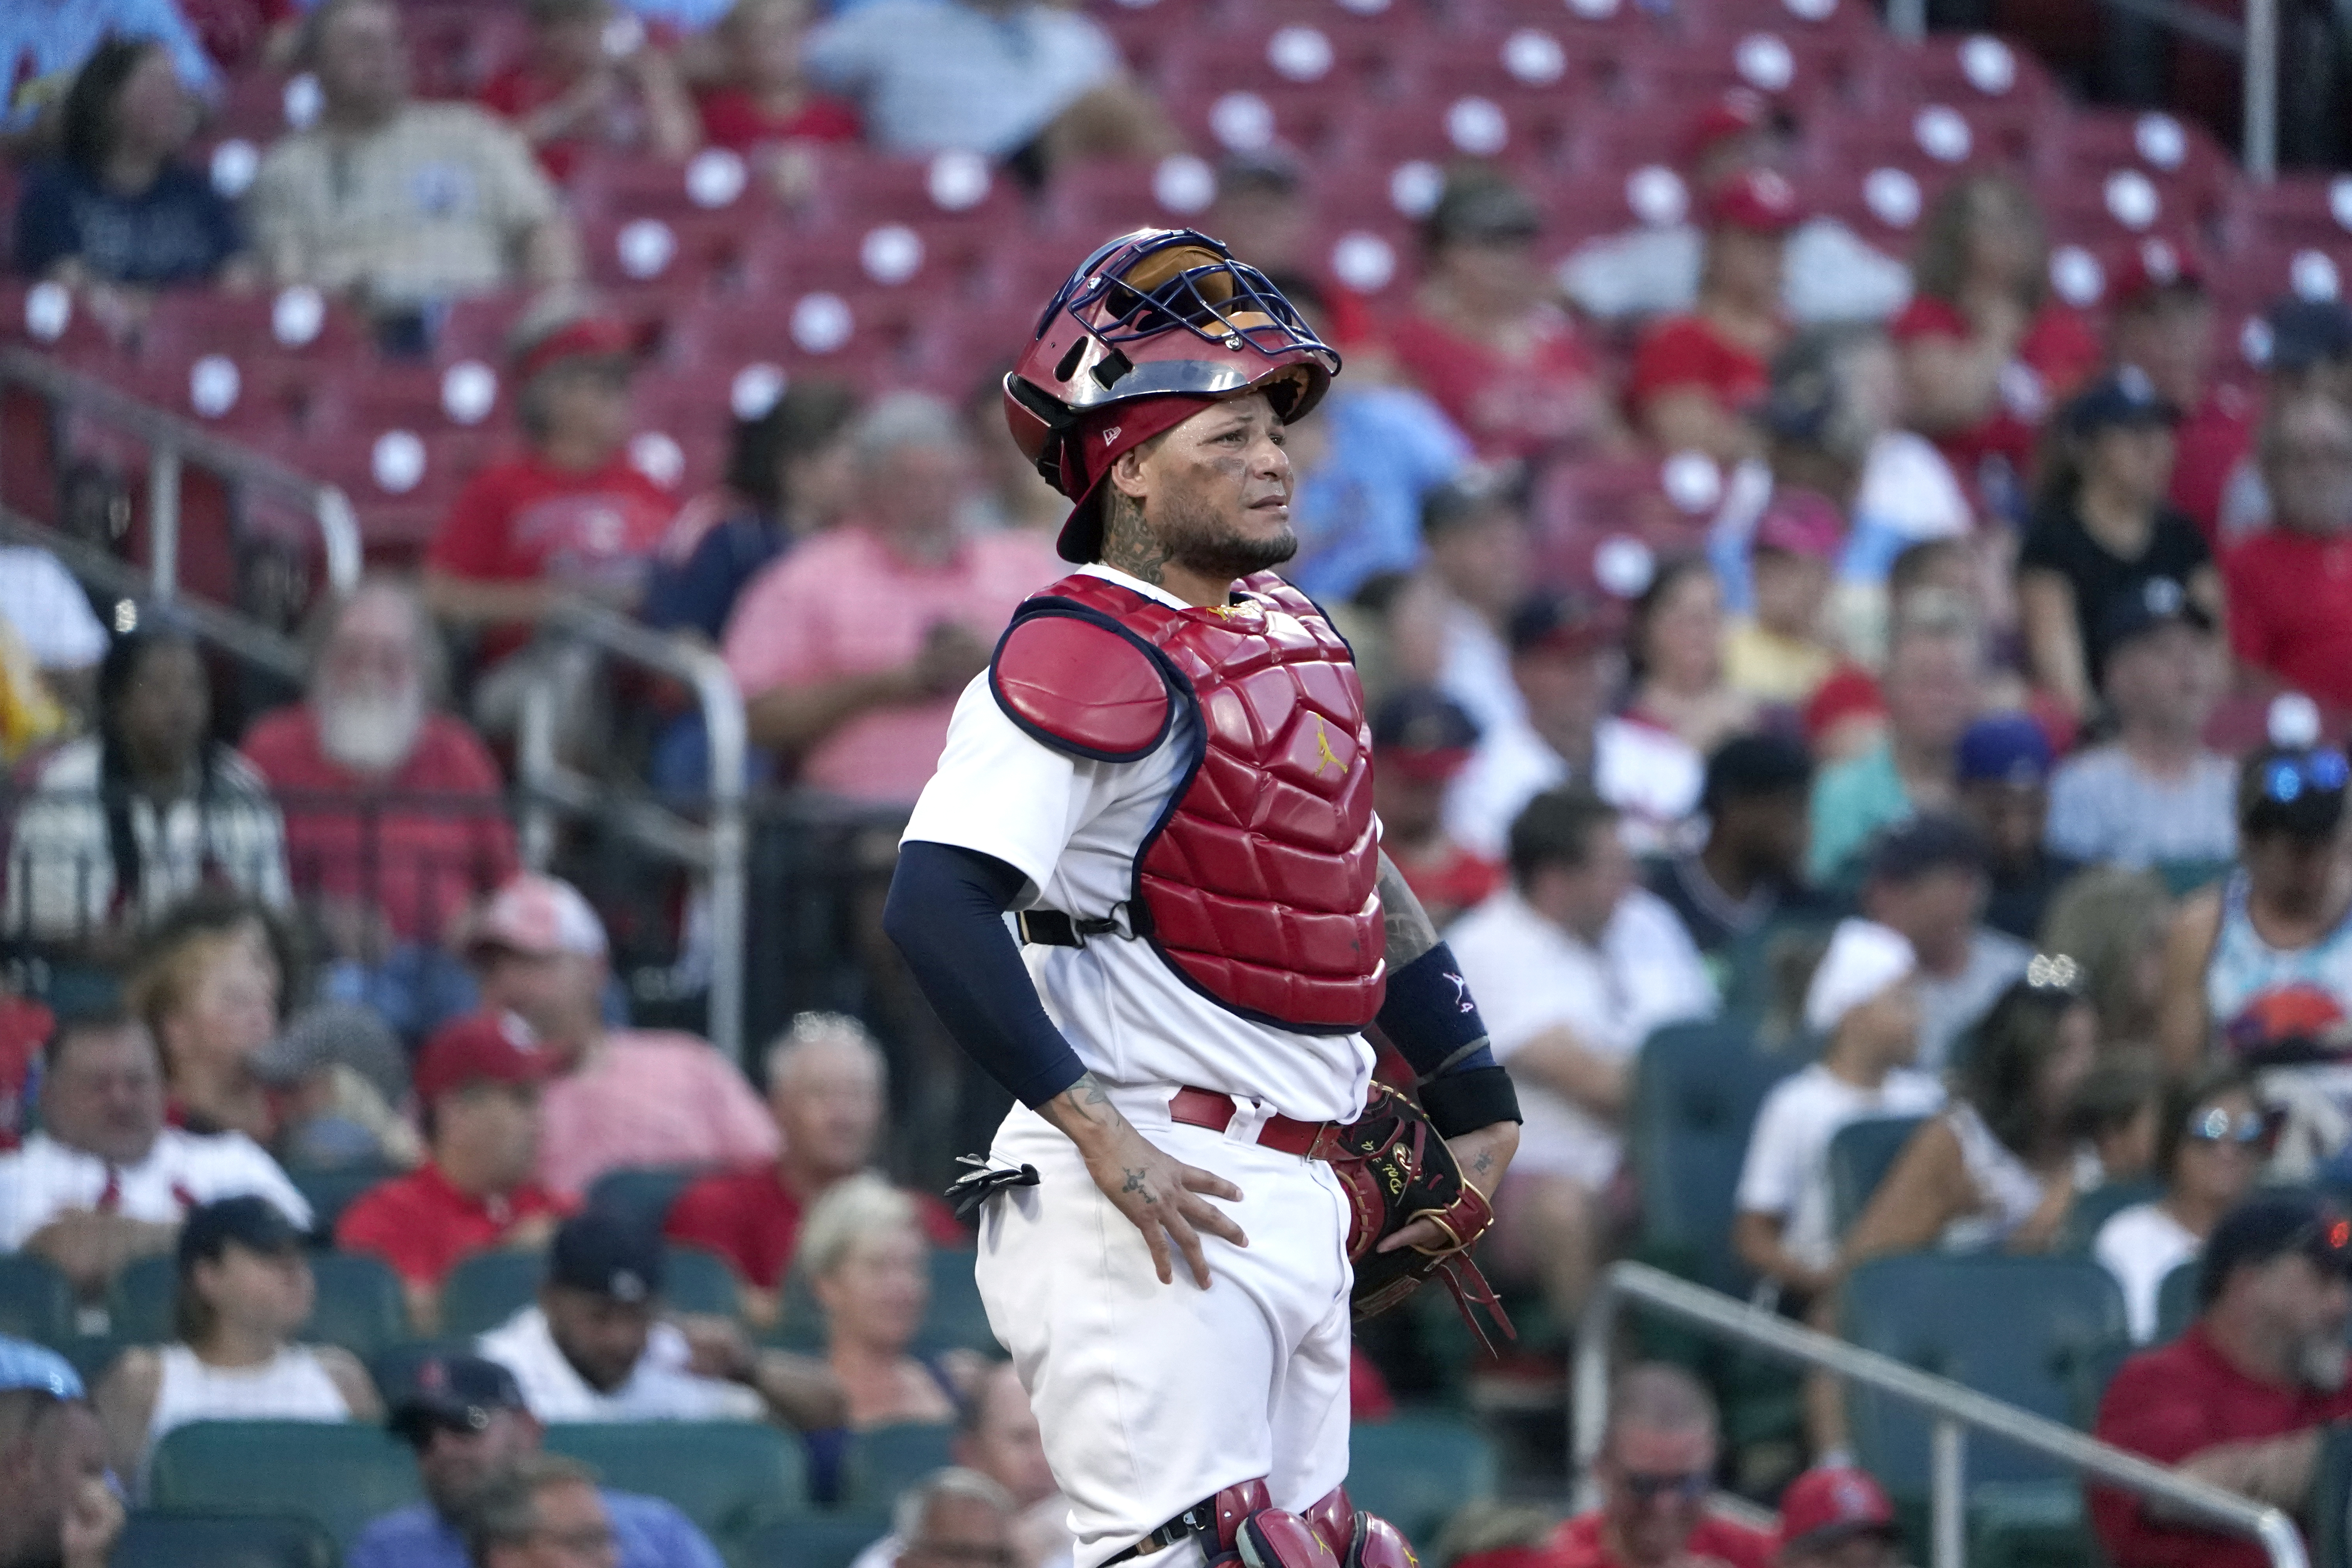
[(2006, 748), (2124, 396), (26, 1365)]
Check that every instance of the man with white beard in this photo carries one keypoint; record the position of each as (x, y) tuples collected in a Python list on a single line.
[(395, 812)]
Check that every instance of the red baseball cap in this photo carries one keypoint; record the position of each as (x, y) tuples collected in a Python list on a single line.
[(480, 1048), (1802, 523), (2151, 266), (1758, 199), (1740, 112), (586, 337), (1828, 1505)]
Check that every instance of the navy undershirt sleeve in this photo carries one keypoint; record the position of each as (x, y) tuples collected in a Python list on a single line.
[(946, 912)]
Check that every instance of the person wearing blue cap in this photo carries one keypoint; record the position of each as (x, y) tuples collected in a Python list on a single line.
[(58, 1506), (2103, 527), (2005, 763)]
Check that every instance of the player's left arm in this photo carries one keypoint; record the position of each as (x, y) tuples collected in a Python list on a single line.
[(1431, 1018)]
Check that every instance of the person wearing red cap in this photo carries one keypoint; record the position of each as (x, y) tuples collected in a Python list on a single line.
[(478, 1083), (571, 515), (2160, 319), (1836, 1517), (1656, 1470), (1421, 740), (1696, 376)]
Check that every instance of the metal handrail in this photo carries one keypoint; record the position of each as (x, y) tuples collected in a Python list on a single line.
[(172, 442), (1955, 1409), (718, 847)]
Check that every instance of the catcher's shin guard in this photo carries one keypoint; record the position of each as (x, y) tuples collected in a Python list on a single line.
[(1330, 1533)]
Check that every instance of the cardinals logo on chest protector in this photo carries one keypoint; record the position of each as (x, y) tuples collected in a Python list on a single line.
[(1257, 884)]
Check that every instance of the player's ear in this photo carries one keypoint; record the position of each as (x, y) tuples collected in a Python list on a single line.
[(1126, 470)]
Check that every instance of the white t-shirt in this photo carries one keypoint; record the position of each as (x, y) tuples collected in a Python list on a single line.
[(2140, 1245), (1651, 777), (46, 607), (660, 1387), (1072, 828), (1530, 975), (1787, 1171), (46, 1178)]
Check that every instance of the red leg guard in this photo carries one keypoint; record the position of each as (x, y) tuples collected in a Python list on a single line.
[(1333, 1518), (1250, 1529), (1357, 1539)]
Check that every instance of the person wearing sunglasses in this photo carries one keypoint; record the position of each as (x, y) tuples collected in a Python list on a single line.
[(2210, 1140), (2267, 958), (1656, 1471)]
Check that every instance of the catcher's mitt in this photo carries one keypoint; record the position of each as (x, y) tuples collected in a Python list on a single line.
[(1396, 1169)]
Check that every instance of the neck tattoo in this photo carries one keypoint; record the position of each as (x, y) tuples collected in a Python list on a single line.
[(1128, 543)]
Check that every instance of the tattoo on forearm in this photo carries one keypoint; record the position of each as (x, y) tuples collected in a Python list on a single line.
[(1127, 544), (1409, 928)]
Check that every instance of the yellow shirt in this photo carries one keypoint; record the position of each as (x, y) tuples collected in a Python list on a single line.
[(1773, 668)]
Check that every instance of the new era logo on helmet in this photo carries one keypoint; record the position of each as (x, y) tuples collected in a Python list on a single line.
[(1111, 435)]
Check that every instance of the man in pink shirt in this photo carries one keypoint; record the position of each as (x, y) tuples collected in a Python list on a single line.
[(620, 1097), (851, 650)]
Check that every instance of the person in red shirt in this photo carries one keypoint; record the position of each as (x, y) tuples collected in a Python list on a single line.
[(2289, 587), (1696, 376), (478, 1081), (1837, 1516), (1484, 339), (2239, 1399), (2161, 320), (765, 100), (1421, 740), (395, 814), (591, 81), (1656, 1471), (1986, 352), (826, 1084)]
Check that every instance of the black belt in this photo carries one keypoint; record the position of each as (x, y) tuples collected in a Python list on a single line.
[(1201, 1515), (1052, 928)]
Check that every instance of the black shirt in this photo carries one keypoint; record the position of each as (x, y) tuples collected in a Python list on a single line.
[(2058, 542), (178, 230)]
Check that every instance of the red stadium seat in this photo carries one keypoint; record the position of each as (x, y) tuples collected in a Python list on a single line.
[(1108, 197), (1528, 61), (1326, 48), (1845, 22), (1932, 138), (715, 180), (2180, 157), (399, 481), (862, 188), (294, 322), (1783, 65), (1309, 120), (2294, 209), (1974, 72), (680, 249)]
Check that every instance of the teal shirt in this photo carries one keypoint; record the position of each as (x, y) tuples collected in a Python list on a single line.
[(1851, 802)]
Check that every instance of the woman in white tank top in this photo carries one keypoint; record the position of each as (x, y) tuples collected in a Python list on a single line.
[(244, 1289)]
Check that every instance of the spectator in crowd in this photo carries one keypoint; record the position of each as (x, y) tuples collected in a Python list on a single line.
[(997, 1436), (394, 202), (1750, 870), (1780, 652), (2153, 792), (1573, 964), (50, 614), (1933, 688), (58, 1507), (1484, 339), (2004, 778), (1421, 740), (2102, 532), (2211, 1138), (2161, 322), (209, 994), (2115, 923), (544, 1512), (336, 1069), (1013, 80), (1678, 641), (764, 103), (2240, 1401), (1981, 307), (1011, 493), (123, 824), (104, 1181), (863, 1253), (1656, 1471), (595, 1347), (119, 212), (1567, 662), (467, 1420), (1831, 275), (1695, 377), (826, 1090), (1834, 1516), (245, 1291), (1928, 878), (47, 46), (949, 1518), (2290, 608), (616, 1097), (1999, 1166), (852, 650), (569, 516), (477, 1087), (1451, 623), (2310, 356), (396, 812), (1862, 1004), (590, 81)]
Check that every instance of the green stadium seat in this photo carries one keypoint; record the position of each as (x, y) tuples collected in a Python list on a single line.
[(642, 1194), (1861, 1153), (338, 1474), (886, 1460), (1416, 1470), (2100, 1203), (812, 1541), (2040, 1333), (35, 1302), (2029, 1524), (2331, 1495), (139, 1300), (223, 1541), (2176, 1301), (1696, 1088), (729, 1477), (956, 1319), (92, 1355), (488, 1288), (360, 1304), (329, 1190), (700, 1281)]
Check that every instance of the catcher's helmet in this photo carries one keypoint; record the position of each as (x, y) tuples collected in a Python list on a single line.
[(1155, 312)]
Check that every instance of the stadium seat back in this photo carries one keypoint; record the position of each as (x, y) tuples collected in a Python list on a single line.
[(152, 1540), (700, 1281), (814, 1540), (886, 1460), (729, 1477), (488, 1288), (2039, 1333), (957, 1318), (1696, 1088), (330, 1190), (2100, 1203), (642, 1194), (339, 1475), (1861, 1153), (1417, 1470), (36, 1301), (2176, 1301)]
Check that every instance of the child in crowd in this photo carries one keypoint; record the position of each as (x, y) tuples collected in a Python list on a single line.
[(1778, 653)]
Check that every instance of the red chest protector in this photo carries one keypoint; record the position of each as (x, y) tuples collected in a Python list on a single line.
[(1257, 883)]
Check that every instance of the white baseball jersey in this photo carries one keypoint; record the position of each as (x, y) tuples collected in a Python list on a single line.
[(46, 1178)]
